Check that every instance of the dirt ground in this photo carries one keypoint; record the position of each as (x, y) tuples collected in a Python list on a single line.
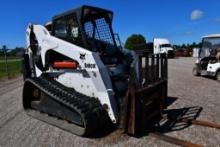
[(188, 95)]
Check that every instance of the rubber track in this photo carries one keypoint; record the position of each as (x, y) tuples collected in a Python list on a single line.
[(88, 108)]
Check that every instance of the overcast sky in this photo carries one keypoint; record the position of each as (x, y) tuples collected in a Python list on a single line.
[(181, 21)]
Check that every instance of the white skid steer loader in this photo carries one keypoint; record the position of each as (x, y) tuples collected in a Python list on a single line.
[(77, 78)]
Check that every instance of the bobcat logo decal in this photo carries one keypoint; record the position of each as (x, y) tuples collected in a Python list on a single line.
[(82, 56)]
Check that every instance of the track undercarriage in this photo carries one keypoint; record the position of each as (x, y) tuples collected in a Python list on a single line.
[(49, 101)]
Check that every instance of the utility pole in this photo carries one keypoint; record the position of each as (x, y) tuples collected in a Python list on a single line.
[(6, 60)]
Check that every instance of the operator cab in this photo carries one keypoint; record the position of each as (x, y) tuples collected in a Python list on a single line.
[(87, 27), (210, 48)]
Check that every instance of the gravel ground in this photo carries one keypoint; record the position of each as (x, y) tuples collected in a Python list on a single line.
[(189, 96)]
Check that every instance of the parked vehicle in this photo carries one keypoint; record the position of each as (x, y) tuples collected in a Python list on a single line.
[(208, 62), (162, 45), (182, 53)]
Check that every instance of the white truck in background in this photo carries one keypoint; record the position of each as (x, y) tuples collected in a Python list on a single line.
[(162, 45)]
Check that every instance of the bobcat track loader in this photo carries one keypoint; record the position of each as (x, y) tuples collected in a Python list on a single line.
[(76, 77)]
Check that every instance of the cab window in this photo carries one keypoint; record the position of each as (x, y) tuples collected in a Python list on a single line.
[(60, 29)]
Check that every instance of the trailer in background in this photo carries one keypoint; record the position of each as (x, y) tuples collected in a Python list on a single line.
[(158, 46)]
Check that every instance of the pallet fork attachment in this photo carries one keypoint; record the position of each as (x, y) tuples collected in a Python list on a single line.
[(145, 101)]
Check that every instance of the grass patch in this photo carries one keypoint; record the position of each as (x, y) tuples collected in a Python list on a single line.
[(14, 68), (2, 58)]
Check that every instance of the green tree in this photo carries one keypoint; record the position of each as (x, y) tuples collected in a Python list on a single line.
[(193, 45), (2, 50), (134, 40), (183, 46)]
